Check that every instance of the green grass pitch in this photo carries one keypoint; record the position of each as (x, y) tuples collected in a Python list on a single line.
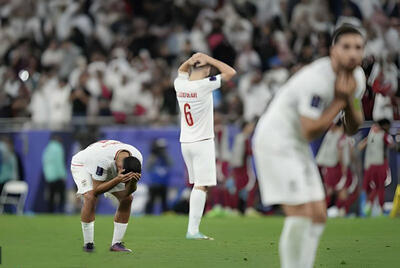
[(56, 241)]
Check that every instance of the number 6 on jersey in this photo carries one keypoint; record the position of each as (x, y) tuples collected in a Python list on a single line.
[(188, 115)]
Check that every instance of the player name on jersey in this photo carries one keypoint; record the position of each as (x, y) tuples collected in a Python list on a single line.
[(187, 95)]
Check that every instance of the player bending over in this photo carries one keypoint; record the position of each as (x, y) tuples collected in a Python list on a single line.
[(110, 167)]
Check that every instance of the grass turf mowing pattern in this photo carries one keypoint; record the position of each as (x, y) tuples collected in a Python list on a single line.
[(56, 241)]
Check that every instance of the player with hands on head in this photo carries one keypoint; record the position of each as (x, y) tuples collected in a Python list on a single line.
[(194, 87)]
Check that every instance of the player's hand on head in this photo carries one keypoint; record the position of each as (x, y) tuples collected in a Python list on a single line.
[(137, 176), (125, 177), (345, 85)]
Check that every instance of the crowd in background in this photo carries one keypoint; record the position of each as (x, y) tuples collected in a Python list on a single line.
[(72, 58)]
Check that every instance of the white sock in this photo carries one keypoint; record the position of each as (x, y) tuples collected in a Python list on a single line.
[(88, 232), (310, 246), (119, 232), (291, 241), (196, 208)]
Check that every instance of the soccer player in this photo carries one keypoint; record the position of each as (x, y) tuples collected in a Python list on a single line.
[(328, 159), (375, 163), (194, 89), (109, 167), (302, 110), (242, 172)]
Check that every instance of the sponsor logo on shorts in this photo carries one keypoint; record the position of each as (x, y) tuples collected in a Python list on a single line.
[(213, 78), (84, 183)]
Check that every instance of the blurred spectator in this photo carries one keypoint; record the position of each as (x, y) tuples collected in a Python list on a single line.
[(376, 165), (94, 44), (159, 167), (80, 96), (59, 106), (8, 161), (255, 95), (330, 161), (242, 169), (221, 196), (55, 173)]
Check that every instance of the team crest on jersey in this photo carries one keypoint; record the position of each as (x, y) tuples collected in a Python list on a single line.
[(213, 78), (316, 101), (99, 171)]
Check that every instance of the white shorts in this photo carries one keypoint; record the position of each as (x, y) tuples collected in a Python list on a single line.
[(83, 180), (289, 177), (200, 162)]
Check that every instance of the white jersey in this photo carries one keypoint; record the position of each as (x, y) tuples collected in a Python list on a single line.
[(99, 158), (346, 144), (308, 93), (376, 147), (328, 152), (196, 105)]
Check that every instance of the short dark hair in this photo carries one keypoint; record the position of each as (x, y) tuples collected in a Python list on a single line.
[(345, 29), (131, 164), (339, 123), (383, 122), (196, 67)]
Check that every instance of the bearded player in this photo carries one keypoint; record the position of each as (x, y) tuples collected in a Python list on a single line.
[(303, 110)]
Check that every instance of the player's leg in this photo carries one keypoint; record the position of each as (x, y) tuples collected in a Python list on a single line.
[(341, 201), (87, 219), (202, 171), (61, 192), (163, 195), (317, 206), (150, 201), (380, 185), (373, 184), (368, 190), (52, 189), (293, 236), (313, 235), (121, 220), (83, 181)]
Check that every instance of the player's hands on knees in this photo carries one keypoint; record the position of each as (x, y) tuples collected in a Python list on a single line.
[(125, 177), (345, 86)]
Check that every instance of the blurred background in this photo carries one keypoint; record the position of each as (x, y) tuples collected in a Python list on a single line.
[(76, 71)]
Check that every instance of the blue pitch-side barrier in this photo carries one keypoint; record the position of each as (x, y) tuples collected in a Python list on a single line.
[(30, 146)]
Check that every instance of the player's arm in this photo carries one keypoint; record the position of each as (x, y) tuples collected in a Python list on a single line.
[(345, 86), (313, 128), (184, 68), (389, 141), (362, 144), (100, 187), (227, 72)]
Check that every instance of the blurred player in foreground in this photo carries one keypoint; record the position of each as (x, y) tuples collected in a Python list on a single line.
[(109, 167), (303, 109), (194, 93)]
